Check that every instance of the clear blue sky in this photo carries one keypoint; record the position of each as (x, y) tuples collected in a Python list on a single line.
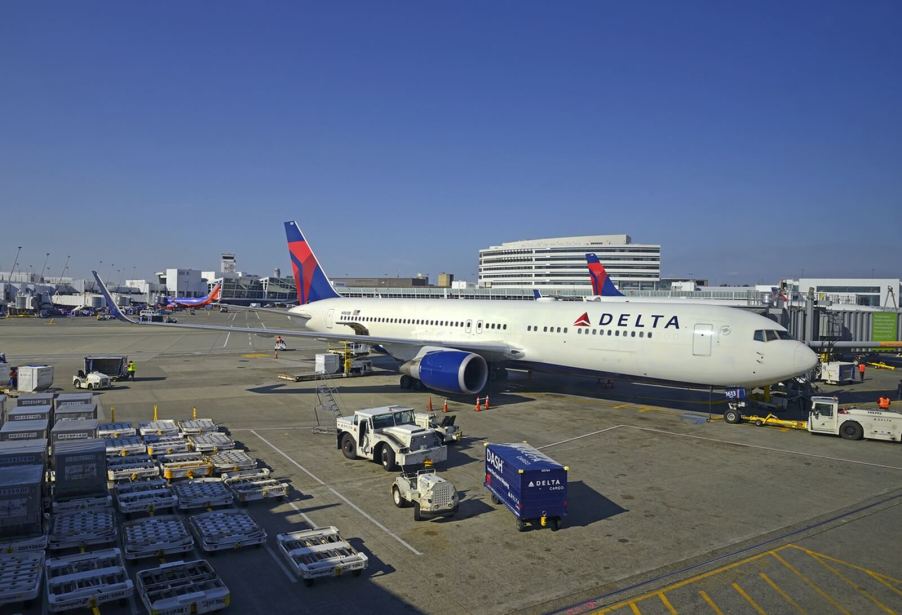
[(752, 140)]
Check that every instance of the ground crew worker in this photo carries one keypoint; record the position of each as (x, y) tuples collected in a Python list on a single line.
[(883, 402), (14, 378), (131, 369), (861, 371)]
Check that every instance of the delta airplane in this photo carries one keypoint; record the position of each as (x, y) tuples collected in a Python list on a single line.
[(190, 302), (452, 345)]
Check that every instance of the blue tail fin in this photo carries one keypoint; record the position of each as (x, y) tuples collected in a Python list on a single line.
[(602, 285), (311, 281)]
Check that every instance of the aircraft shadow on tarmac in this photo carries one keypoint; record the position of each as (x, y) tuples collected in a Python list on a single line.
[(593, 506)]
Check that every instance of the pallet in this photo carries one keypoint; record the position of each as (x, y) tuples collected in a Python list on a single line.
[(155, 537), (230, 528), (320, 552), (86, 580), (83, 503), (202, 493), (168, 445), (164, 427), (116, 430), (20, 576), (183, 588), (211, 442), (185, 465), (82, 528), (232, 461), (27, 544), (197, 426), (249, 487), (125, 445), (146, 495), (131, 467)]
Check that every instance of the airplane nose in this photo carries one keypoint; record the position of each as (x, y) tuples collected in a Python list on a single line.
[(804, 359)]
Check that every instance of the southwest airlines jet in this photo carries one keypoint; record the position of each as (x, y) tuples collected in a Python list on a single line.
[(451, 345), (189, 302)]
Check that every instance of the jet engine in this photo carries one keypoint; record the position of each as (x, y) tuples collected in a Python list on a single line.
[(449, 371)]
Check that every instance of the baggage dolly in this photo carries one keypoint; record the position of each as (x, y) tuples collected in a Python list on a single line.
[(182, 588), (155, 537), (94, 501), (229, 528), (185, 465), (125, 445), (168, 445), (320, 552), (251, 486), (202, 493), (116, 430), (163, 427), (131, 467), (27, 544), (86, 580), (192, 427), (82, 528), (211, 442), (144, 495), (20, 576), (232, 461)]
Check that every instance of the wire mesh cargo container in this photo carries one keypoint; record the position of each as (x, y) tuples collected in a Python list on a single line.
[(82, 528), (35, 399), (86, 580), (116, 430), (320, 552), (24, 430), (21, 501), (30, 413), (229, 528), (155, 537), (232, 461), (197, 426), (145, 495), (20, 576), (164, 427), (202, 493), (131, 467), (23, 453), (125, 445), (211, 442), (183, 588), (73, 429), (79, 468)]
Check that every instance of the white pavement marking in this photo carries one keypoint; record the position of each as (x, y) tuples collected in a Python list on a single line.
[(766, 448), (281, 564), (337, 494), (585, 435), (227, 339), (303, 514)]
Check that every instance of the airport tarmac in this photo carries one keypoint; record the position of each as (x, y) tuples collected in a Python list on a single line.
[(668, 513)]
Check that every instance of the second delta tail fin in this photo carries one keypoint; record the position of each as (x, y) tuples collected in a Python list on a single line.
[(311, 281), (602, 285)]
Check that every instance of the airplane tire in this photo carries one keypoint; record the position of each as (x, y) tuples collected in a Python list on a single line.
[(732, 416), (347, 446), (406, 382), (850, 430)]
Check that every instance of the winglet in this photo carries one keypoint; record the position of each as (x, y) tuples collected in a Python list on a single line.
[(536, 294), (602, 285), (111, 305)]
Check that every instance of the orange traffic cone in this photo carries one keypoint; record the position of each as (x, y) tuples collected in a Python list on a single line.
[(478, 407), (445, 406), (486, 402), (429, 404)]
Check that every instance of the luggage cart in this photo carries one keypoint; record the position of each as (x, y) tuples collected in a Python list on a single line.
[(82, 528), (155, 537), (163, 427), (202, 493), (20, 576), (131, 467), (230, 528), (116, 430), (125, 445), (168, 445), (185, 465), (212, 442), (197, 426), (251, 486), (320, 552), (232, 461), (86, 580), (181, 588), (145, 495), (94, 501)]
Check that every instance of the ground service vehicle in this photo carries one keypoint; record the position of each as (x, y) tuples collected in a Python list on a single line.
[(530, 484), (113, 365), (837, 372), (430, 494), (446, 429), (388, 435), (91, 381)]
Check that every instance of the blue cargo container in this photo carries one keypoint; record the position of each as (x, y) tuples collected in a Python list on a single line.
[(528, 482)]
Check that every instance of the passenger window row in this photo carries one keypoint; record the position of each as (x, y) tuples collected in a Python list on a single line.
[(431, 323), (599, 332)]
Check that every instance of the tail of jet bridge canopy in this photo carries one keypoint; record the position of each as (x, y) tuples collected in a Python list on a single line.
[(602, 285), (309, 277)]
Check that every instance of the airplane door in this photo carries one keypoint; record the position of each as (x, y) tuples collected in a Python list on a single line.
[(701, 340), (330, 318), (469, 326)]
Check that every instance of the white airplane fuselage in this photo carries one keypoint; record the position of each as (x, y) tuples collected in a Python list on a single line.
[(696, 344)]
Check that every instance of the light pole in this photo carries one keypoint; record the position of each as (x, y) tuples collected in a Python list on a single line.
[(15, 262), (46, 256)]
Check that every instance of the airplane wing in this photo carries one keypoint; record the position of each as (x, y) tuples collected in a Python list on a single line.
[(494, 349), (246, 308)]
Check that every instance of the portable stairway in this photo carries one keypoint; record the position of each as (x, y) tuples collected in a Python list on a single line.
[(327, 404)]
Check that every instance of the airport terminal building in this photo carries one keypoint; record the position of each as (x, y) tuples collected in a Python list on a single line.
[(559, 263)]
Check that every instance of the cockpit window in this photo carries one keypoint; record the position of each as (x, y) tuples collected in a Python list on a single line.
[(783, 335), (759, 335), (769, 335)]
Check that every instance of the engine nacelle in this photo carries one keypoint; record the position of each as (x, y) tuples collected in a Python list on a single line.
[(449, 371)]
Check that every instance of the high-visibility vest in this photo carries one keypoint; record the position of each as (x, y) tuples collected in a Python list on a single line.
[(883, 403)]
